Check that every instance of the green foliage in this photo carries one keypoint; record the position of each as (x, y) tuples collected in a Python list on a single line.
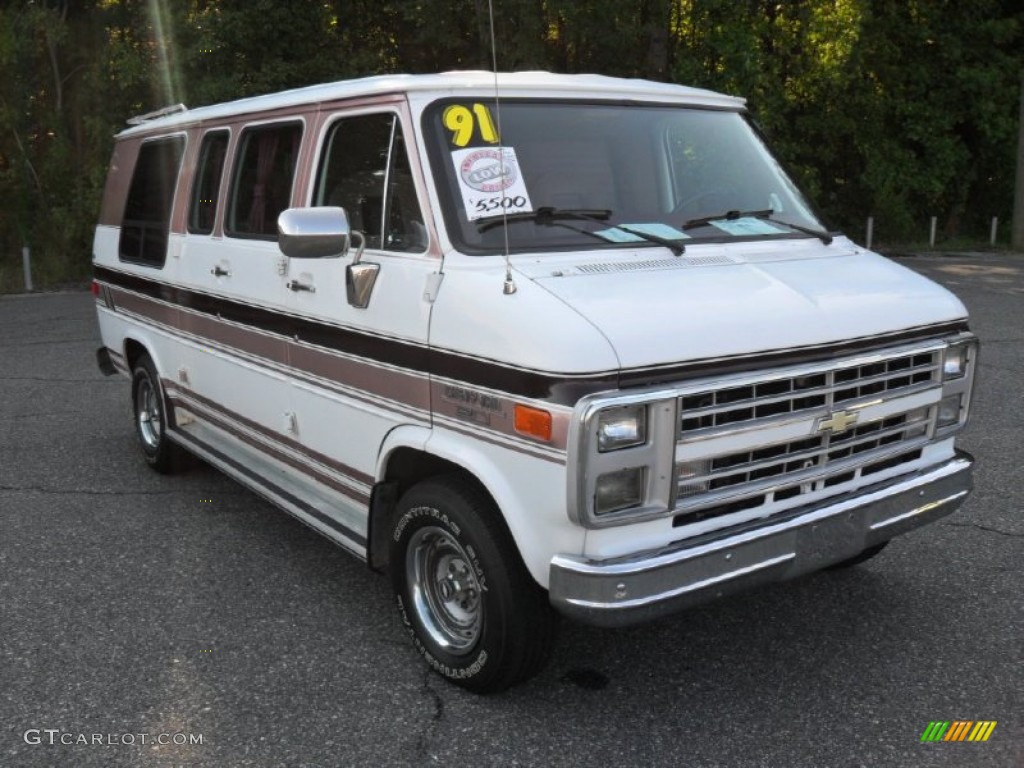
[(897, 110)]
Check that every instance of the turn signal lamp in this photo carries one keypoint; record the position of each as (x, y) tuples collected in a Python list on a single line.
[(533, 422)]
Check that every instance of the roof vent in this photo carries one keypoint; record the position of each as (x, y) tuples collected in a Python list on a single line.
[(171, 110)]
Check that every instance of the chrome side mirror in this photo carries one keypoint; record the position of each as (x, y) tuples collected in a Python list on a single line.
[(324, 233), (313, 233)]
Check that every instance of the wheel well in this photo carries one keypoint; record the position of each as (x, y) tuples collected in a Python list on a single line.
[(406, 467), (133, 350)]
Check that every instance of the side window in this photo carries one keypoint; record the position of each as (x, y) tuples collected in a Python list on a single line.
[(147, 212), (263, 176), (365, 169), (206, 187)]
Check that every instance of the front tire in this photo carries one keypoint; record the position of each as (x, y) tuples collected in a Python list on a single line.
[(149, 408), (474, 612)]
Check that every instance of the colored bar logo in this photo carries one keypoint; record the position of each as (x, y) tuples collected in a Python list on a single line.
[(958, 730)]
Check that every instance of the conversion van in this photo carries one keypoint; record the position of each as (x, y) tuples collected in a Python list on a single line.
[(532, 344)]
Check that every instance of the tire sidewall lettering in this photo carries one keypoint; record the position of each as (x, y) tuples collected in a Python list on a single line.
[(418, 512)]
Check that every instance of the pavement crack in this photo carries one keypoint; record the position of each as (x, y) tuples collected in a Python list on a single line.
[(425, 736), (986, 528)]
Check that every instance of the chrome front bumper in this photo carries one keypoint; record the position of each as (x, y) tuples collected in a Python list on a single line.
[(632, 589)]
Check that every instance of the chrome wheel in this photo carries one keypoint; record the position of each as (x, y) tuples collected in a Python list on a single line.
[(147, 409), (474, 612), (445, 592)]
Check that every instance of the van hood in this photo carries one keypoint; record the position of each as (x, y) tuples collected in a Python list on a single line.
[(722, 301)]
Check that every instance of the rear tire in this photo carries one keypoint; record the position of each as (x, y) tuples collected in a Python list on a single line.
[(472, 609), (149, 407)]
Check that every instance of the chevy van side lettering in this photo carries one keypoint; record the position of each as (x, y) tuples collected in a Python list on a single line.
[(472, 398)]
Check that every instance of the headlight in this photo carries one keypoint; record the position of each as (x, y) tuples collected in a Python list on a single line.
[(959, 363), (622, 458), (954, 363), (622, 427), (949, 410), (619, 490)]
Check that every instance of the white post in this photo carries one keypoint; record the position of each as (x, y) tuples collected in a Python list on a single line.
[(870, 232), (995, 228), (931, 233), (1017, 226), (26, 264)]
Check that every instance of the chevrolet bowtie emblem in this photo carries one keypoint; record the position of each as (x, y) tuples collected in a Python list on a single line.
[(838, 422)]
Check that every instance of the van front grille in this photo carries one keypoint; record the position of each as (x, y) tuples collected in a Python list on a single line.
[(788, 395), (753, 459)]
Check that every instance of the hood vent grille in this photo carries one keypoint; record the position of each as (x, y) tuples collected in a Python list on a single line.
[(639, 266)]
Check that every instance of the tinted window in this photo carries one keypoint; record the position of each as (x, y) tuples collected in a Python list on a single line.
[(147, 212), (365, 170), (262, 185), (206, 188)]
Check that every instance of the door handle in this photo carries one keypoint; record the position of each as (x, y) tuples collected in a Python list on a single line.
[(295, 285), (218, 271)]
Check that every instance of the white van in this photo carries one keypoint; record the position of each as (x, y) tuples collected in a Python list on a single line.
[(526, 342)]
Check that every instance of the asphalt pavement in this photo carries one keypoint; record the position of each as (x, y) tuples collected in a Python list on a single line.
[(136, 607)]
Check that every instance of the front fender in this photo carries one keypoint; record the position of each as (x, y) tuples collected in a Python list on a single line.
[(529, 492)]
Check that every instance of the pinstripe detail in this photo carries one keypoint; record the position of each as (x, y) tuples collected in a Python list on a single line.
[(280, 447), (408, 393), (394, 353)]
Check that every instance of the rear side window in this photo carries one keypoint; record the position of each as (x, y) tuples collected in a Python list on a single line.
[(263, 177), (206, 190), (147, 212)]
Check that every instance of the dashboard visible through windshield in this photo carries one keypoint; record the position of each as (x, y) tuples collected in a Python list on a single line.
[(558, 175)]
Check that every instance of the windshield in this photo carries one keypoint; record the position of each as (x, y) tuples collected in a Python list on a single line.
[(568, 175)]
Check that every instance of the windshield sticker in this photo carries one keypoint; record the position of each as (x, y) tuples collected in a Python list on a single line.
[(490, 182), (658, 230), (464, 121), (615, 235), (633, 233), (748, 226)]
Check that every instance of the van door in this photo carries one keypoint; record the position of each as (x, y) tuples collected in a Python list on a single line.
[(362, 371), (235, 380)]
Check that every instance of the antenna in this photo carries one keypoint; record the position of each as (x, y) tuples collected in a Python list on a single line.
[(509, 286)]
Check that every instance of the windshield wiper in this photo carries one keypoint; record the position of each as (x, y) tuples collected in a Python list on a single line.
[(727, 216), (766, 214), (548, 216), (825, 237)]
